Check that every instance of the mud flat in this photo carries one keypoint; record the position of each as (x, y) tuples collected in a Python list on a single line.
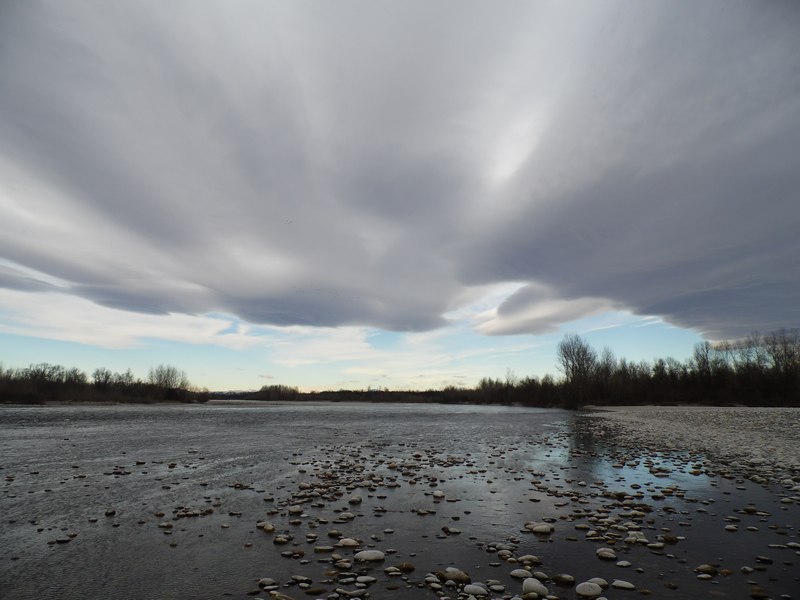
[(381, 502)]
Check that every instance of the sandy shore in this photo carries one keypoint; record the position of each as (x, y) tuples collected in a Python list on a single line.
[(762, 444)]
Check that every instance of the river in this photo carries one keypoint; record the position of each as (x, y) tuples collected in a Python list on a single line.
[(124, 502)]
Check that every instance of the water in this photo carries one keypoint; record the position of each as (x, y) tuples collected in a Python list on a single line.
[(64, 468)]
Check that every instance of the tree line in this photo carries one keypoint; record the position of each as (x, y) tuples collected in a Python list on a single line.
[(44, 382), (758, 370)]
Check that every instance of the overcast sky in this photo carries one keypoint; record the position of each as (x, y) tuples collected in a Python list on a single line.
[(334, 192)]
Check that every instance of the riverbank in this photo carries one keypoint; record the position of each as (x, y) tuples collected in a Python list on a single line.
[(762, 444)]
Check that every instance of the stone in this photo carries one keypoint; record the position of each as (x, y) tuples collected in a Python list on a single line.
[(563, 579), (456, 575), (534, 585), (370, 556), (622, 585), (475, 590), (706, 570), (520, 573), (606, 554), (539, 528), (588, 589)]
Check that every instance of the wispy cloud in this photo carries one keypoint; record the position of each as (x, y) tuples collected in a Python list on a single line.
[(65, 317)]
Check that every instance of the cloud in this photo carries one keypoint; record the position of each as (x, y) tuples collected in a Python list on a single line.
[(533, 309), (668, 185), (19, 277), (65, 317), (352, 166), (428, 359), (431, 359)]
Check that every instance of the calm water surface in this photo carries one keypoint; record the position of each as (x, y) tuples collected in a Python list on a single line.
[(83, 490)]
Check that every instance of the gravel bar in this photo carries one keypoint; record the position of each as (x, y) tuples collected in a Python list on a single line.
[(762, 444)]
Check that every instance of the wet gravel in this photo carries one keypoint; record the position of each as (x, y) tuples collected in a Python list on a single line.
[(402, 501), (761, 443)]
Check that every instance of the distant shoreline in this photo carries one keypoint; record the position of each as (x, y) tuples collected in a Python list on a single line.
[(222, 402)]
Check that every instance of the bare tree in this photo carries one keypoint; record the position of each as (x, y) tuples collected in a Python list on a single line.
[(75, 377), (577, 360), (168, 377), (703, 359), (125, 379), (102, 377), (783, 348)]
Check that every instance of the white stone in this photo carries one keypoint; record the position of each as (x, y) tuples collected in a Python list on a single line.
[(540, 528), (520, 573), (475, 590), (622, 585), (588, 589), (534, 585), (369, 555), (348, 543), (606, 554)]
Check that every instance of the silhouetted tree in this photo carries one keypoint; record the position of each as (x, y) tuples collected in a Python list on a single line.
[(167, 377), (75, 377), (577, 360), (125, 379), (277, 392), (102, 378), (783, 348)]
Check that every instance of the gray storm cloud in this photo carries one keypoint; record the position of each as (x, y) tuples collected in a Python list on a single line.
[(367, 163)]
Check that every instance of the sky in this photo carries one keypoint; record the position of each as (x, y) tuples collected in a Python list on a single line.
[(400, 195)]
